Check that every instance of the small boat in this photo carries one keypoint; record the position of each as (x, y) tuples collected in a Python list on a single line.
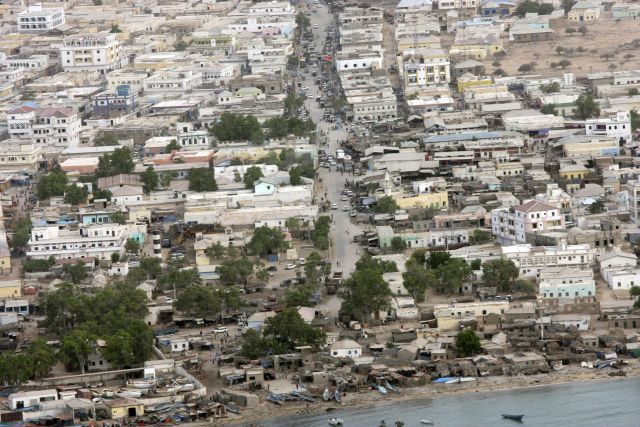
[(427, 422), (275, 400), (141, 384), (331, 409), (185, 387), (335, 421), (512, 417), (133, 394), (338, 396), (392, 387), (301, 396), (167, 391), (460, 380), (382, 390), (233, 409), (326, 395)]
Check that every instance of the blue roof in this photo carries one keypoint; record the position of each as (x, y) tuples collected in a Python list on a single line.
[(462, 137)]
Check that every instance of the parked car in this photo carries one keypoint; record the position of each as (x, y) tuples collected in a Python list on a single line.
[(220, 330), (272, 268), (334, 206), (301, 261), (290, 266)]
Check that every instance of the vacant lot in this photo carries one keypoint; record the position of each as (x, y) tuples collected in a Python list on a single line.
[(606, 36)]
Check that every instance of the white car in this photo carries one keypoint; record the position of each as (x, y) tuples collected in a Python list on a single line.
[(334, 206), (345, 208), (220, 330), (290, 266), (344, 198), (304, 88), (301, 261)]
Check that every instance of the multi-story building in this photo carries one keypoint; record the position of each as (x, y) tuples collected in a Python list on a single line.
[(633, 191), (30, 63), (19, 155), (190, 138), (92, 52), (272, 8), (530, 260), (359, 60), (511, 226), (58, 126), (97, 240), (172, 82), (617, 127), (37, 19), (426, 67), (122, 101)]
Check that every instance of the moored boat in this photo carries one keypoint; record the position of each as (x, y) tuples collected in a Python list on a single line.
[(326, 395), (512, 417), (382, 390), (427, 422), (335, 421)]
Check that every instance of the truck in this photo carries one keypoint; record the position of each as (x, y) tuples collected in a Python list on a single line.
[(334, 282), (339, 154)]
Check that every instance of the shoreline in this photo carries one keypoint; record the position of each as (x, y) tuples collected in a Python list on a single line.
[(570, 375)]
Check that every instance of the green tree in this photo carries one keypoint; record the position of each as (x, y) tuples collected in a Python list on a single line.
[(235, 271), (320, 233), (386, 205), (267, 240), (438, 258), (527, 6), (115, 29), (75, 195), (294, 176), (37, 265), (132, 246), (525, 287), (635, 293), (118, 218), (167, 177), (202, 179), (549, 109), (292, 103), (52, 184), (545, 9), (253, 346), (119, 351), (180, 46), (77, 272), (293, 62), (237, 127), (476, 264), (21, 233), (149, 179), (102, 194), (500, 273), (398, 245), (42, 357), (76, 347), (467, 343), (152, 266), (118, 162), (215, 251), (479, 237), (567, 5), (582, 30), (115, 257), (596, 207), (418, 279), (299, 296), (365, 291), (564, 63), (252, 174), (452, 274), (179, 279), (586, 107), (302, 21), (198, 301), (633, 91), (287, 330), (550, 88), (525, 68), (570, 31), (635, 120)]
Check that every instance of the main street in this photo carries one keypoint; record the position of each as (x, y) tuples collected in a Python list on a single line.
[(343, 252)]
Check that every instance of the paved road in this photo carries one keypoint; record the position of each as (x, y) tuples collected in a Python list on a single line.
[(343, 251)]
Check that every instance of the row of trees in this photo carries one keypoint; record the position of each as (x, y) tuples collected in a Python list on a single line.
[(320, 235), (365, 292), (115, 314)]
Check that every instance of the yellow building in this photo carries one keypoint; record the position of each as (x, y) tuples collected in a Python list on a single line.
[(121, 408), (439, 200), (468, 80), (584, 11), (572, 172), (9, 288)]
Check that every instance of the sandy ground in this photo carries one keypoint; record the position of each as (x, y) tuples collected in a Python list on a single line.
[(488, 384), (604, 36)]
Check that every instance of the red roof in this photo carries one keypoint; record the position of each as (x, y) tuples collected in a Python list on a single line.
[(534, 206), (21, 109)]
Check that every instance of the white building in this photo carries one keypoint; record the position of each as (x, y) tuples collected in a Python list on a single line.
[(19, 155), (31, 62), (618, 127), (621, 277), (563, 282), (424, 67), (98, 241), (346, 348), (633, 190), (92, 52), (359, 60), (37, 19), (59, 126), (272, 8), (531, 260), (511, 226), (189, 138), (172, 82), (25, 399)]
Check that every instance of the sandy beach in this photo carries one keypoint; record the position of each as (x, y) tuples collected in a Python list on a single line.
[(573, 374)]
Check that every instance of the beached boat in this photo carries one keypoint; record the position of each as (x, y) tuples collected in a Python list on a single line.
[(326, 395), (331, 409), (141, 383), (427, 422), (382, 390), (335, 421), (132, 394), (183, 388), (460, 380), (166, 391), (391, 387), (271, 398), (512, 417), (338, 396)]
